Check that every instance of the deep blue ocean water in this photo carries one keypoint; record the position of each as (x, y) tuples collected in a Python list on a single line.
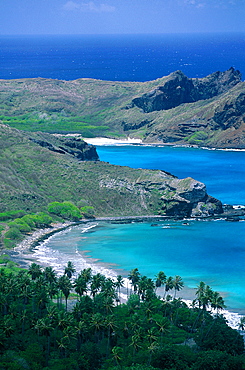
[(120, 57), (212, 251)]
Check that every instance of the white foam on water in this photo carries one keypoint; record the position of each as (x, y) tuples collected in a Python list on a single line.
[(232, 318), (47, 256)]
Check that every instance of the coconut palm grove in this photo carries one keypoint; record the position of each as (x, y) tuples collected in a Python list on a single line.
[(81, 320)]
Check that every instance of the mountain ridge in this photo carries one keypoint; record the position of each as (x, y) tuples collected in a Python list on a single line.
[(127, 109)]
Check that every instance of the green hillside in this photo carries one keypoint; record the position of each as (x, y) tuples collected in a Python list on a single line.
[(173, 109)]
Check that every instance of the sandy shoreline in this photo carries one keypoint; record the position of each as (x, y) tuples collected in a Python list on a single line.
[(104, 141), (24, 255)]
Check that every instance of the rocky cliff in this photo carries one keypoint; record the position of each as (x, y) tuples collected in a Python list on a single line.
[(179, 89), (174, 109), (73, 146)]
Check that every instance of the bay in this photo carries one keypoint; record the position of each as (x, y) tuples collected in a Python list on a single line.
[(222, 171), (196, 250), (209, 251)]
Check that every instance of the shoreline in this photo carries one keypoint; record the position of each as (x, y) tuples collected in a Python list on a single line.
[(104, 141), (24, 255)]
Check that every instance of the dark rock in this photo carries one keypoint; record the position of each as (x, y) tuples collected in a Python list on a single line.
[(227, 115), (179, 89), (76, 147), (135, 126)]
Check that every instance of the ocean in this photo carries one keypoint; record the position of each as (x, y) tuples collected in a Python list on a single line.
[(209, 251), (120, 57)]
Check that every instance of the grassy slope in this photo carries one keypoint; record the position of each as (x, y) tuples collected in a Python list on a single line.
[(32, 176), (98, 108)]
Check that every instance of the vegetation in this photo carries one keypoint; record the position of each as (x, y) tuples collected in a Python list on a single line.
[(38, 170), (65, 210), (76, 321), (104, 108), (16, 229), (198, 137)]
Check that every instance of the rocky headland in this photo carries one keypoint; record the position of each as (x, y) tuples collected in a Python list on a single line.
[(175, 109), (38, 168)]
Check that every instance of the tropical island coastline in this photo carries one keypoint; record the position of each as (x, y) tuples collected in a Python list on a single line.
[(23, 255)]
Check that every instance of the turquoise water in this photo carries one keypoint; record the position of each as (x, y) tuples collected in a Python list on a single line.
[(223, 172), (209, 251)]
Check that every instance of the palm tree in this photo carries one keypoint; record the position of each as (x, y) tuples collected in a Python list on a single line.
[(117, 353), (80, 286), (148, 309), (134, 277), (168, 284), (111, 327), (163, 327), (81, 329), (160, 279), (119, 284), (108, 288), (97, 324), (41, 299), (200, 293), (8, 326), (49, 275), (87, 274), (52, 290), (177, 284), (151, 335), (65, 286), (135, 343), (242, 323), (204, 295), (69, 269), (44, 327), (26, 293), (142, 287), (64, 319), (217, 301), (152, 348), (96, 283), (35, 271), (69, 333), (23, 317)]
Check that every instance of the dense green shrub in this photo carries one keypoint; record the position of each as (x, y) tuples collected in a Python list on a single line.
[(29, 222), (217, 360), (65, 210), (87, 211), (13, 233), (217, 335), (21, 225), (41, 219), (4, 216)]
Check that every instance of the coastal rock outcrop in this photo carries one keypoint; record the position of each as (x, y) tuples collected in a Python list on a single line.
[(38, 168), (189, 198), (73, 146), (206, 111), (167, 194)]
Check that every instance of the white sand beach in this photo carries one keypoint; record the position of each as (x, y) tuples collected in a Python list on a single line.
[(40, 257), (107, 141)]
